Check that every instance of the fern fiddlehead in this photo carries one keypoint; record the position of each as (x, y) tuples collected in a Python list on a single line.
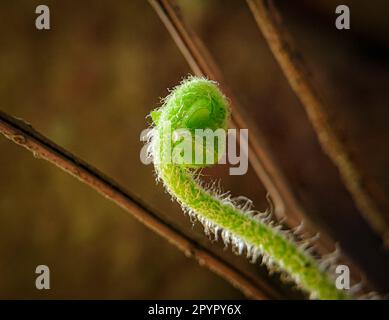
[(198, 104)]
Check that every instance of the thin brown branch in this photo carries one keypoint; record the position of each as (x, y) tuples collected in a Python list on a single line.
[(269, 21), (202, 64), (265, 166), (41, 147), (260, 157)]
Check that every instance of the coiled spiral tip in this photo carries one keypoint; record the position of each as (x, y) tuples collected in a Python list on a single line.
[(197, 103)]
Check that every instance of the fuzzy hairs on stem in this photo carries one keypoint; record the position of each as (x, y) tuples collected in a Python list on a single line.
[(197, 103)]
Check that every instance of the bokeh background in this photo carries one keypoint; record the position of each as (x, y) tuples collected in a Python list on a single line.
[(90, 82)]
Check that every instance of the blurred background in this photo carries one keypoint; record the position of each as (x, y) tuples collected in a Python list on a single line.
[(89, 83)]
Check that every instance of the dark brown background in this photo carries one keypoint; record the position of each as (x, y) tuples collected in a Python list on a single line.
[(89, 83)]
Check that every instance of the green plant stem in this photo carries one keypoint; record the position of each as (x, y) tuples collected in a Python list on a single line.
[(237, 225), (281, 253)]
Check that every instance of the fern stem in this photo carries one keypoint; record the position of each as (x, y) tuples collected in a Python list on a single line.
[(219, 215)]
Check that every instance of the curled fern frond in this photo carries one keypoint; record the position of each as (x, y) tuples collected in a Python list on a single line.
[(197, 103)]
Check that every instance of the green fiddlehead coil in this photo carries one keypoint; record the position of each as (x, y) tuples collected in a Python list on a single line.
[(197, 103)]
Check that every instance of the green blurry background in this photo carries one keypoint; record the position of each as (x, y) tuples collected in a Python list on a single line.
[(90, 82)]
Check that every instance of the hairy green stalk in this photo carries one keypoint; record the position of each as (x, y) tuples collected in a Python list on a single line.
[(198, 104)]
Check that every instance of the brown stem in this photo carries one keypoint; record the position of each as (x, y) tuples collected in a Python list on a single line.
[(260, 157), (286, 206), (269, 21), (24, 135)]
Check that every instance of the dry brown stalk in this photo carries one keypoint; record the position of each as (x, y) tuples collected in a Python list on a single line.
[(290, 60), (24, 135)]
